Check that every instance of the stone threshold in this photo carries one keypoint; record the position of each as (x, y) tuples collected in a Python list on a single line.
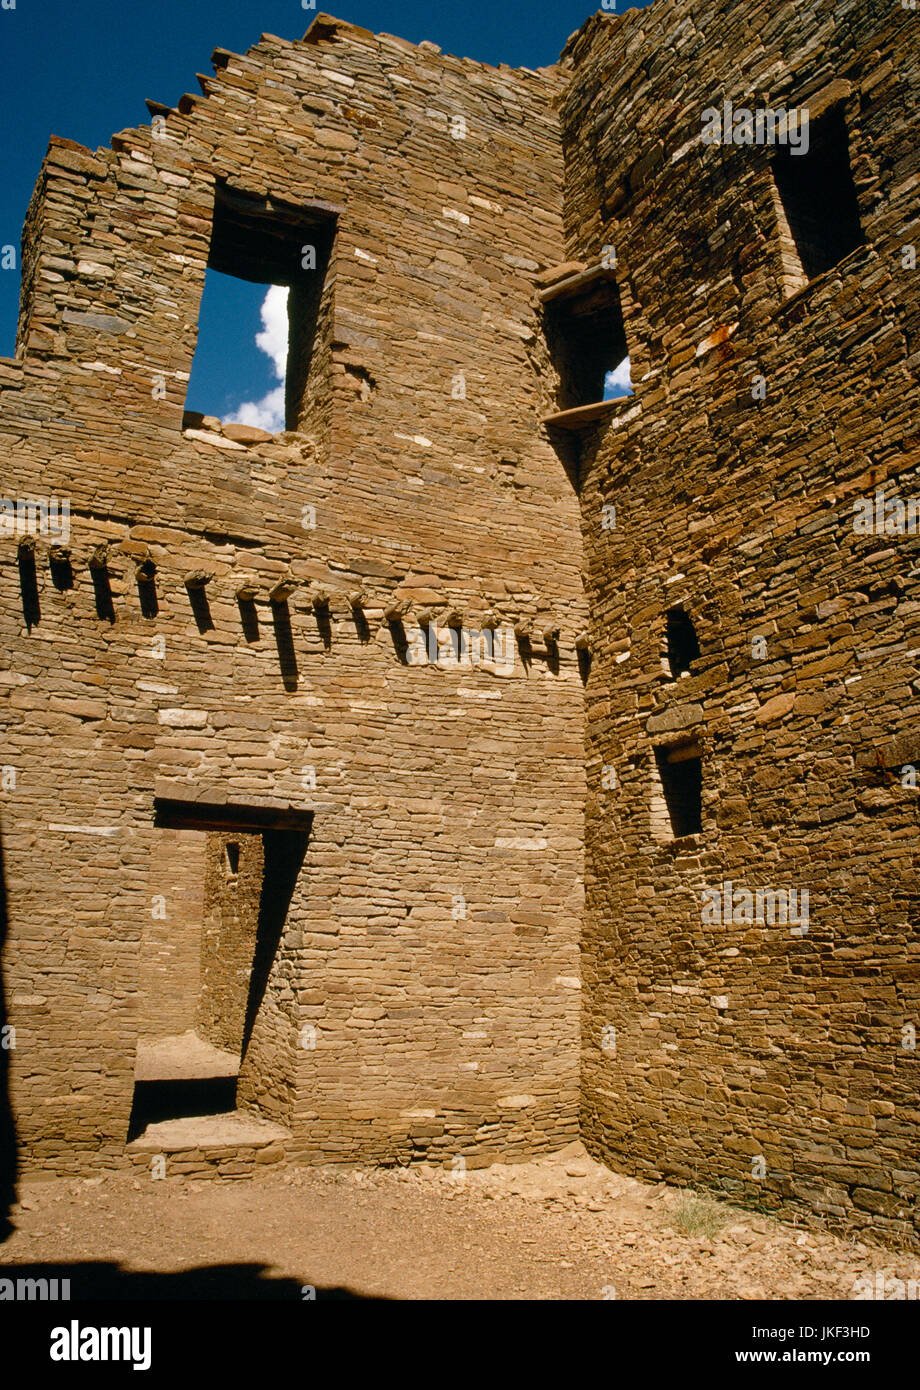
[(232, 1145)]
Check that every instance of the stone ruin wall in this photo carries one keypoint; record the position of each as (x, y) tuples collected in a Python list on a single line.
[(227, 937), (732, 1044), (169, 969), (745, 1041), (435, 1032)]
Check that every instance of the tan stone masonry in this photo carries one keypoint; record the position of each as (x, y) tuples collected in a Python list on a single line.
[(453, 909)]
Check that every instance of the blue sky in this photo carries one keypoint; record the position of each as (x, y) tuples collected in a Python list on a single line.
[(82, 68)]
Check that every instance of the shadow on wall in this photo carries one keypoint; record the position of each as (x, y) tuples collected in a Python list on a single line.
[(284, 852), (8, 1147), (284, 641)]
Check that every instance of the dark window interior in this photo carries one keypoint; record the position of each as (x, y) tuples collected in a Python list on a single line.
[(819, 196), (681, 773), (683, 646), (586, 340)]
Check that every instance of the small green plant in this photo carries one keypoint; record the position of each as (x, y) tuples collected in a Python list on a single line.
[(697, 1216)]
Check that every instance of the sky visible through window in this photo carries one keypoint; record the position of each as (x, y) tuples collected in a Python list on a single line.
[(241, 358), (617, 382), (92, 81)]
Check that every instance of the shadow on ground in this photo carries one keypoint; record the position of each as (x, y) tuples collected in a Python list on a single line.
[(105, 1281)]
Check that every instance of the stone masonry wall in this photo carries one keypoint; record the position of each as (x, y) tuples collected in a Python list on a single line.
[(240, 624), (774, 1064), (228, 937), (170, 950), (432, 936)]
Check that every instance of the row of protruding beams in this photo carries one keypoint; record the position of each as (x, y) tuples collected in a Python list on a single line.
[(321, 599)]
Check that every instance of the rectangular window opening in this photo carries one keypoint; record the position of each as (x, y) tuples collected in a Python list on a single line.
[(680, 771), (586, 338), (263, 355), (818, 209)]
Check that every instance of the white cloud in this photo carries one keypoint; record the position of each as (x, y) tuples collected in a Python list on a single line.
[(268, 413), (617, 382), (273, 340)]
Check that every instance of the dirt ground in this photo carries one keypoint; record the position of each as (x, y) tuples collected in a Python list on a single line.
[(563, 1227)]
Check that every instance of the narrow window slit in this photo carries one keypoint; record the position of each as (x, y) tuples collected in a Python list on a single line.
[(680, 771), (682, 643), (818, 206), (28, 583)]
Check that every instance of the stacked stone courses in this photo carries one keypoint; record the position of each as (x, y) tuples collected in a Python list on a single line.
[(744, 1042), (490, 889), (433, 1033)]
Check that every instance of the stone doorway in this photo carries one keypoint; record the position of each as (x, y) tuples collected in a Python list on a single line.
[(226, 877)]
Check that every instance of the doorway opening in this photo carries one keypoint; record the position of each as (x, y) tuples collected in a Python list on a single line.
[(209, 1034)]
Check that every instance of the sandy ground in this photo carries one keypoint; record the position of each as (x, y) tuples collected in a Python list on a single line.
[(558, 1228)]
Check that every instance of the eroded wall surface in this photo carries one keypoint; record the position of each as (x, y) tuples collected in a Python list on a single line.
[(169, 978), (773, 1062), (431, 939)]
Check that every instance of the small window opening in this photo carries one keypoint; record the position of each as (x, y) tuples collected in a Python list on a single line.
[(28, 584), (818, 196), (61, 567), (263, 356), (102, 585), (680, 769), (682, 642), (232, 853), (587, 342)]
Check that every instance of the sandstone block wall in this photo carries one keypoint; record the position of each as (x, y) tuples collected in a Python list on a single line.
[(431, 938), (241, 647), (170, 949), (773, 1064), (234, 872)]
